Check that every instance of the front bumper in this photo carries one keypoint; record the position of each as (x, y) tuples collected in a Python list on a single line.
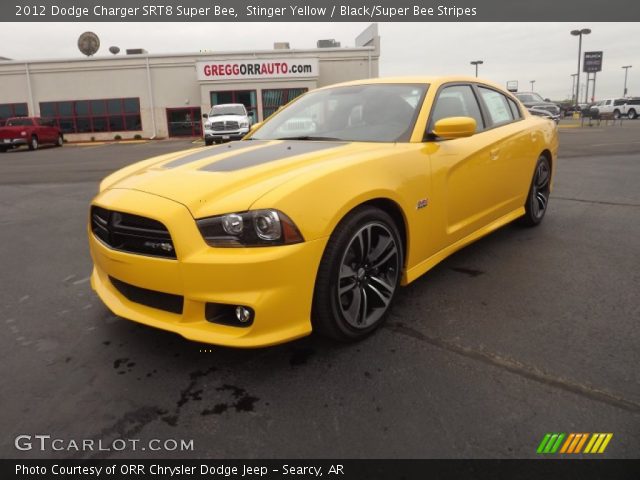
[(223, 135), (276, 282)]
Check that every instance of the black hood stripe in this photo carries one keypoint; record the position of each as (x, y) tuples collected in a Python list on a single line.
[(209, 152), (268, 154)]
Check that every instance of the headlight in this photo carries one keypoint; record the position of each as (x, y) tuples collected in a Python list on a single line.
[(23, 133), (244, 123), (207, 125), (256, 228)]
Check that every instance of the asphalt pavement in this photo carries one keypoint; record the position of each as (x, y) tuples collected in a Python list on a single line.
[(525, 332)]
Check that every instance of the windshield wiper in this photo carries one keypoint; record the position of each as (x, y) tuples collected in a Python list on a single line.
[(308, 137)]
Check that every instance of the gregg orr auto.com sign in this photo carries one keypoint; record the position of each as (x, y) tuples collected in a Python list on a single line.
[(257, 69)]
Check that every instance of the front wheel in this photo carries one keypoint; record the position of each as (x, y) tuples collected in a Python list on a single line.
[(616, 114), (631, 114), (538, 197), (358, 276), (208, 142), (33, 143), (59, 141)]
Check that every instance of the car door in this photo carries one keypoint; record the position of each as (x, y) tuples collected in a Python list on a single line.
[(463, 169), (43, 131), (513, 158)]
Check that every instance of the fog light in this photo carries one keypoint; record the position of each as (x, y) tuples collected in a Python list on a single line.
[(243, 314)]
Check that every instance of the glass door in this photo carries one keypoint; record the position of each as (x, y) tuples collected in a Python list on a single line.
[(184, 122)]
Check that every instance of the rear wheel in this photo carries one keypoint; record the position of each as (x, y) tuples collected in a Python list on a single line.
[(3, 149), (59, 141), (33, 143), (631, 114), (358, 276), (616, 114), (538, 198)]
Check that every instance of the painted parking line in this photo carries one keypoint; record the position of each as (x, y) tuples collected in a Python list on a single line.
[(613, 143)]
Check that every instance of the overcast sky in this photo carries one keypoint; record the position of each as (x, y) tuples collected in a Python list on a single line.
[(544, 52)]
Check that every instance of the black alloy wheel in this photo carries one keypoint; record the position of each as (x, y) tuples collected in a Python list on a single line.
[(538, 198), (358, 276)]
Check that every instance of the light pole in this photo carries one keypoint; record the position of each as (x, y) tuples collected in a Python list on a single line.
[(579, 33), (532, 82), (476, 63), (626, 70), (573, 86)]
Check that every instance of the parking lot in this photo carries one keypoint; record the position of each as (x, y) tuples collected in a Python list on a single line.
[(525, 332)]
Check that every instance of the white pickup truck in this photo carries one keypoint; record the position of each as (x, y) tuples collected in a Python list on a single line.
[(619, 107), (224, 122)]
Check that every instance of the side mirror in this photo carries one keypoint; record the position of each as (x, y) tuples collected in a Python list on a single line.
[(454, 127), (547, 100), (205, 115)]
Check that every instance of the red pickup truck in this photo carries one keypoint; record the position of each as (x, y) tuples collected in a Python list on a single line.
[(30, 131)]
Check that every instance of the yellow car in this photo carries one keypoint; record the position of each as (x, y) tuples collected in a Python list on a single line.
[(314, 220)]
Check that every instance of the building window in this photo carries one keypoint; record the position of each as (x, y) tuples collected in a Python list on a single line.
[(245, 97), (274, 99), (8, 110), (184, 122), (89, 116)]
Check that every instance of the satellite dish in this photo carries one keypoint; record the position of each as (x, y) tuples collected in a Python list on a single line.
[(88, 43), (115, 50)]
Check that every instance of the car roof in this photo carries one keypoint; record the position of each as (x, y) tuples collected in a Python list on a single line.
[(435, 81), (228, 105)]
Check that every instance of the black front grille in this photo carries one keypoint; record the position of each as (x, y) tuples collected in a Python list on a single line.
[(226, 126), (162, 301), (131, 233)]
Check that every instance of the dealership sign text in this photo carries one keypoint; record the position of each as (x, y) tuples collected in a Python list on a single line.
[(257, 69)]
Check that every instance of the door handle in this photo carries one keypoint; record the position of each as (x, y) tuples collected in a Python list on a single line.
[(494, 154)]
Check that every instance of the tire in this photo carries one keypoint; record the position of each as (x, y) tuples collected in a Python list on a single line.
[(616, 114), (538, 196), (631, 114), (59, 141), (358, 277), (208, 143), (3, 149), (33, 143)]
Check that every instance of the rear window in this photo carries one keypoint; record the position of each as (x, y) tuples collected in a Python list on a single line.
[(19, 122)]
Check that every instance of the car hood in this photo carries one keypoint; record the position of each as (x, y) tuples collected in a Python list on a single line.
[(226, 118), (544, 105), (232, 176)]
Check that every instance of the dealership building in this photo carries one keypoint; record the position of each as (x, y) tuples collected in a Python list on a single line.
[(157, 96)]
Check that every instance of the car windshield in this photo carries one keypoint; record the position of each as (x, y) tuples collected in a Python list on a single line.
[(219, 110), (529, 97), (19, 122), (361, 113)]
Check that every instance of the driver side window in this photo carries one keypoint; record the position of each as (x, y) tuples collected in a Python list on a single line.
[(456, 101)]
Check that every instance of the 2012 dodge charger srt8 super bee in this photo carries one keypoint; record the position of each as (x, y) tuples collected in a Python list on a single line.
[(314, 220)]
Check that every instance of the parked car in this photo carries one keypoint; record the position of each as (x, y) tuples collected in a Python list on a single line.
[(534, 100), (225, 122), (619, 107), (29, 131), (261, 241)]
